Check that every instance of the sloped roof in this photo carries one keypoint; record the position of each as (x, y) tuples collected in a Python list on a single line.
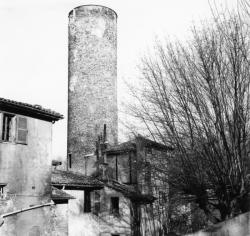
[(36, 111), (130, 192), (71, 179), (122, 147), (131, 145), (58, 194)]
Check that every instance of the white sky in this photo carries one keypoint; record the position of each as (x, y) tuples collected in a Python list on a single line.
[(34, 44)]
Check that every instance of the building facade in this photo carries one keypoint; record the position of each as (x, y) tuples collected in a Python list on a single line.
[(25, 167), (106, 188)]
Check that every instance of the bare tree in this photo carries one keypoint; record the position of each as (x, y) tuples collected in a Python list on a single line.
[(244, 9), (194, 96)]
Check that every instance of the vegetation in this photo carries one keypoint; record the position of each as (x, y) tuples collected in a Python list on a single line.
[(194, 96)]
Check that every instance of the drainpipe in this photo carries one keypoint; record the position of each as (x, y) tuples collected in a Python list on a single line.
[(22, 210)]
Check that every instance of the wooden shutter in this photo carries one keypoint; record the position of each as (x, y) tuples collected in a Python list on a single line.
[(1, 125), (22, 130)]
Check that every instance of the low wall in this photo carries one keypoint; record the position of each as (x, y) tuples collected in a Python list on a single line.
[(238, 226)]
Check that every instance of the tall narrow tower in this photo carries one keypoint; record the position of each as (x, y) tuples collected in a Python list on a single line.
[(92, 86)]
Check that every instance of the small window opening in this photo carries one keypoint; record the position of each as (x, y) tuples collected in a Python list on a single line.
[(97, 203), (149, 150), (114, 205), (147, 173), (162, 198), (87, 202), (2, 192), (69, 160), (7, 127)]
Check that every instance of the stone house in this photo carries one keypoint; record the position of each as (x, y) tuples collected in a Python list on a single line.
[(140, 164), (25, 168)]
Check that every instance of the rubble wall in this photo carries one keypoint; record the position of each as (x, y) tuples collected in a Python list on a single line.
[(92, 82)]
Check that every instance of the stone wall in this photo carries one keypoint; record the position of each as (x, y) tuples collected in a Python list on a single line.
[(238, 226), (92, 92)]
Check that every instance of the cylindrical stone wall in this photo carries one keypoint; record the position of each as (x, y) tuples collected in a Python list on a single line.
[(92, 88)]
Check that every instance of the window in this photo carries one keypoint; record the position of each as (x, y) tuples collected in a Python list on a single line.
[(2, 192), (114, 209), (22, 130), (162, 198), (149, 150), (7, 127), (147, 173), (69, 160), (87, 202), (14, 128)]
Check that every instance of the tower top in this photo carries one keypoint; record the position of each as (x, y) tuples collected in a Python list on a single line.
[(91, 6)]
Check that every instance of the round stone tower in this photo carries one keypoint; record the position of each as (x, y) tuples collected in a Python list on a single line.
[(92, 85)]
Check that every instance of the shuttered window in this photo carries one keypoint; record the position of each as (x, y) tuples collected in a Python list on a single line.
[(22, 130)]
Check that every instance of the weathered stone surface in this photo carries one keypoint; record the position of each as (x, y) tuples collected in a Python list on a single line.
[(92, 91)]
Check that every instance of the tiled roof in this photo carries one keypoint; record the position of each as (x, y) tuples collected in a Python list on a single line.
[(150, 143), (122, 147), (32, 110), (58, 194), (131, 145), (71, 179), (130, 192)]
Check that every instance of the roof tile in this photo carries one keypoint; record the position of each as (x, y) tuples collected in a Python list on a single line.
[(33, 109), (74, 180)]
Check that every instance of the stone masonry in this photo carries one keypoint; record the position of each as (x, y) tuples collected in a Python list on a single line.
[(92, 90)]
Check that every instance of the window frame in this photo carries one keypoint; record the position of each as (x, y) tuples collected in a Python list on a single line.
[(14, 129)]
